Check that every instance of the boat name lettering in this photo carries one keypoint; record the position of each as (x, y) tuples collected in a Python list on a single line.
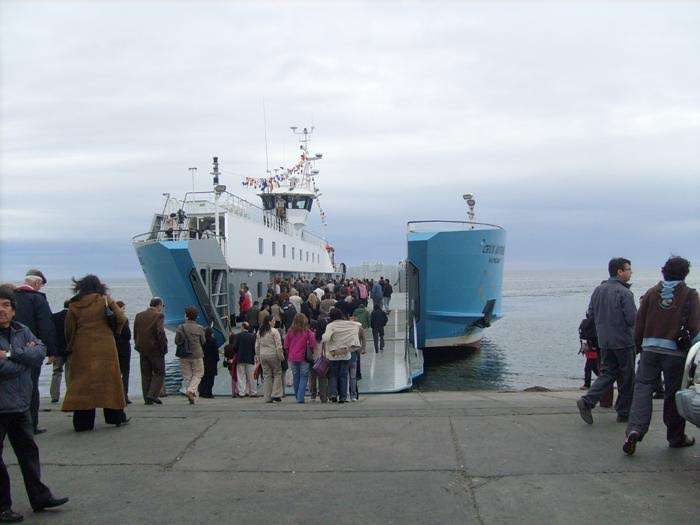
[(493, 249)]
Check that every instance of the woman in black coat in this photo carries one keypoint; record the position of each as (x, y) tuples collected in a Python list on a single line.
[(211, 360)]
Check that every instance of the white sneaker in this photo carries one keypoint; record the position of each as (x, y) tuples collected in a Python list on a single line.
[(353, 399)]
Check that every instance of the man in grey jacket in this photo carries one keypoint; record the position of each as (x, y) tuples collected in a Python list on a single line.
[(613, 310), (20, 352)]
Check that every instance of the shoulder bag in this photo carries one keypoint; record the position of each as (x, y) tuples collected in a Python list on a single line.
[(182, 350)]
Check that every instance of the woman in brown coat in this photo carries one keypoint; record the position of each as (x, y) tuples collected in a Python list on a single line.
[(95, 379)]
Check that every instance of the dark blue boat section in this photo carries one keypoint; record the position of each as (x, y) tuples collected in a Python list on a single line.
[(172, 274), (454, 281)]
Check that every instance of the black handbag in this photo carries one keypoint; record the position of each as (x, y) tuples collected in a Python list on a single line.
[(182, 350), (309, 354)]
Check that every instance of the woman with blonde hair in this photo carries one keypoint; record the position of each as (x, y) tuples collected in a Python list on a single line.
[(268, 350), (298, 340)]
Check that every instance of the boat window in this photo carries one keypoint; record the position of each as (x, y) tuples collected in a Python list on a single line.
[(260, 245), (259, 289), (284, 250), (292, 252), (274, 248)]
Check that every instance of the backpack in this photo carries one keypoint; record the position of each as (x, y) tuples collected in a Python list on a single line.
[(587, 331), (182, 350)]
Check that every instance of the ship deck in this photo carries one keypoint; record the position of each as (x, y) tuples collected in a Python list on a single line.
[(392, 370)]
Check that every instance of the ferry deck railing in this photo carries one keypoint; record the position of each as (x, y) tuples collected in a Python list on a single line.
[(433, 225)]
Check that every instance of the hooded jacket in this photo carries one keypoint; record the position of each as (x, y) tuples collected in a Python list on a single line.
[(659, 317), (613, 310), (26, 352)]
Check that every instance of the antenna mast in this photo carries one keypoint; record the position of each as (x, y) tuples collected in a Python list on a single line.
[(192, 172)]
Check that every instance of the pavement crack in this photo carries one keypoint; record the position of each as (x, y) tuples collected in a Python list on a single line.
[(463, 474), (189, 446)]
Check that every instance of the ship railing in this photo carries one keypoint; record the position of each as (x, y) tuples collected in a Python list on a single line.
[(434, 225), (174, 235)]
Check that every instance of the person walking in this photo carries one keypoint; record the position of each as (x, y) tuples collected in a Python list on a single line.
[(268, 350), (298, 340), (377, 293), (211, 364), (387, 290), (378, 320), (33, 311), (231, 360), (60, 361), (339, 338), (668, 324), (253, 316), (354, 365), (190, 336), (152, 345), (20, 353), (613, 311), (95, 379), (245, 365), (123, 340)]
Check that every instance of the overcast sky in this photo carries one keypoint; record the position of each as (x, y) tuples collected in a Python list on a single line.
[(576, 125)]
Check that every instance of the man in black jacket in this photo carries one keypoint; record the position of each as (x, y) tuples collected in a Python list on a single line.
[(60, 362), (20, 354), (613, 310), (33, 311)]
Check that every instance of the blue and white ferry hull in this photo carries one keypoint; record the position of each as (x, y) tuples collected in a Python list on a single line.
[(455, 276)]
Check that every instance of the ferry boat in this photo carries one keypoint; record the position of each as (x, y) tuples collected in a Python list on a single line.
[(454, 274), (202, 249)]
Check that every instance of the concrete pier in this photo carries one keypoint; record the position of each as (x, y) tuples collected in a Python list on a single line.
[(446, 457)]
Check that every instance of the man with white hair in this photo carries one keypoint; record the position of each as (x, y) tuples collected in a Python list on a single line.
[(33, 311)]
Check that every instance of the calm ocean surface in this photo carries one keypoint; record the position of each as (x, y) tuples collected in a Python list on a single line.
[(536, 343)]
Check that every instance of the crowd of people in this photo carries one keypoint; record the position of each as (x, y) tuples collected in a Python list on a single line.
[(661, 332), (312, 330)]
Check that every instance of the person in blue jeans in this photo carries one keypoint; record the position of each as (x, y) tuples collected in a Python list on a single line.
[(339, 339), (298, 340)]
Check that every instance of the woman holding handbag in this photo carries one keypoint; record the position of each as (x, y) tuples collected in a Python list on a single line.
[(300, 343), (95, 378), (268, 350)]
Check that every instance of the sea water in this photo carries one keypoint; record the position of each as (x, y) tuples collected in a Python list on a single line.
[(535, 343)]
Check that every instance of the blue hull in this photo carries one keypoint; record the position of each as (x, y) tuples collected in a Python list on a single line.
[(455, 280), (168, 267)]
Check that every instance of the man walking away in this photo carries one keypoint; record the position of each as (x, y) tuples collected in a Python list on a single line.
[(33, 311), (20, 354), (668, 324), (387, 290), (613, 311), (377, 293), (60, 362), (123, 341), (245, 351), (151, 344), (378, 321)]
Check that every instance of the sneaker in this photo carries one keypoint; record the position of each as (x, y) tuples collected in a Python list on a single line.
[(630, 444), (353, 399), (7, 516), (585, 411)]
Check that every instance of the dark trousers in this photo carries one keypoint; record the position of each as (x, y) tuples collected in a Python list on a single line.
[(378, 337), (85, 419), (125, 367), (152, 375), (338, 379), (34, 403), (18, 428), (591, 367), (618, 363), (650, 366), (206, 385)]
